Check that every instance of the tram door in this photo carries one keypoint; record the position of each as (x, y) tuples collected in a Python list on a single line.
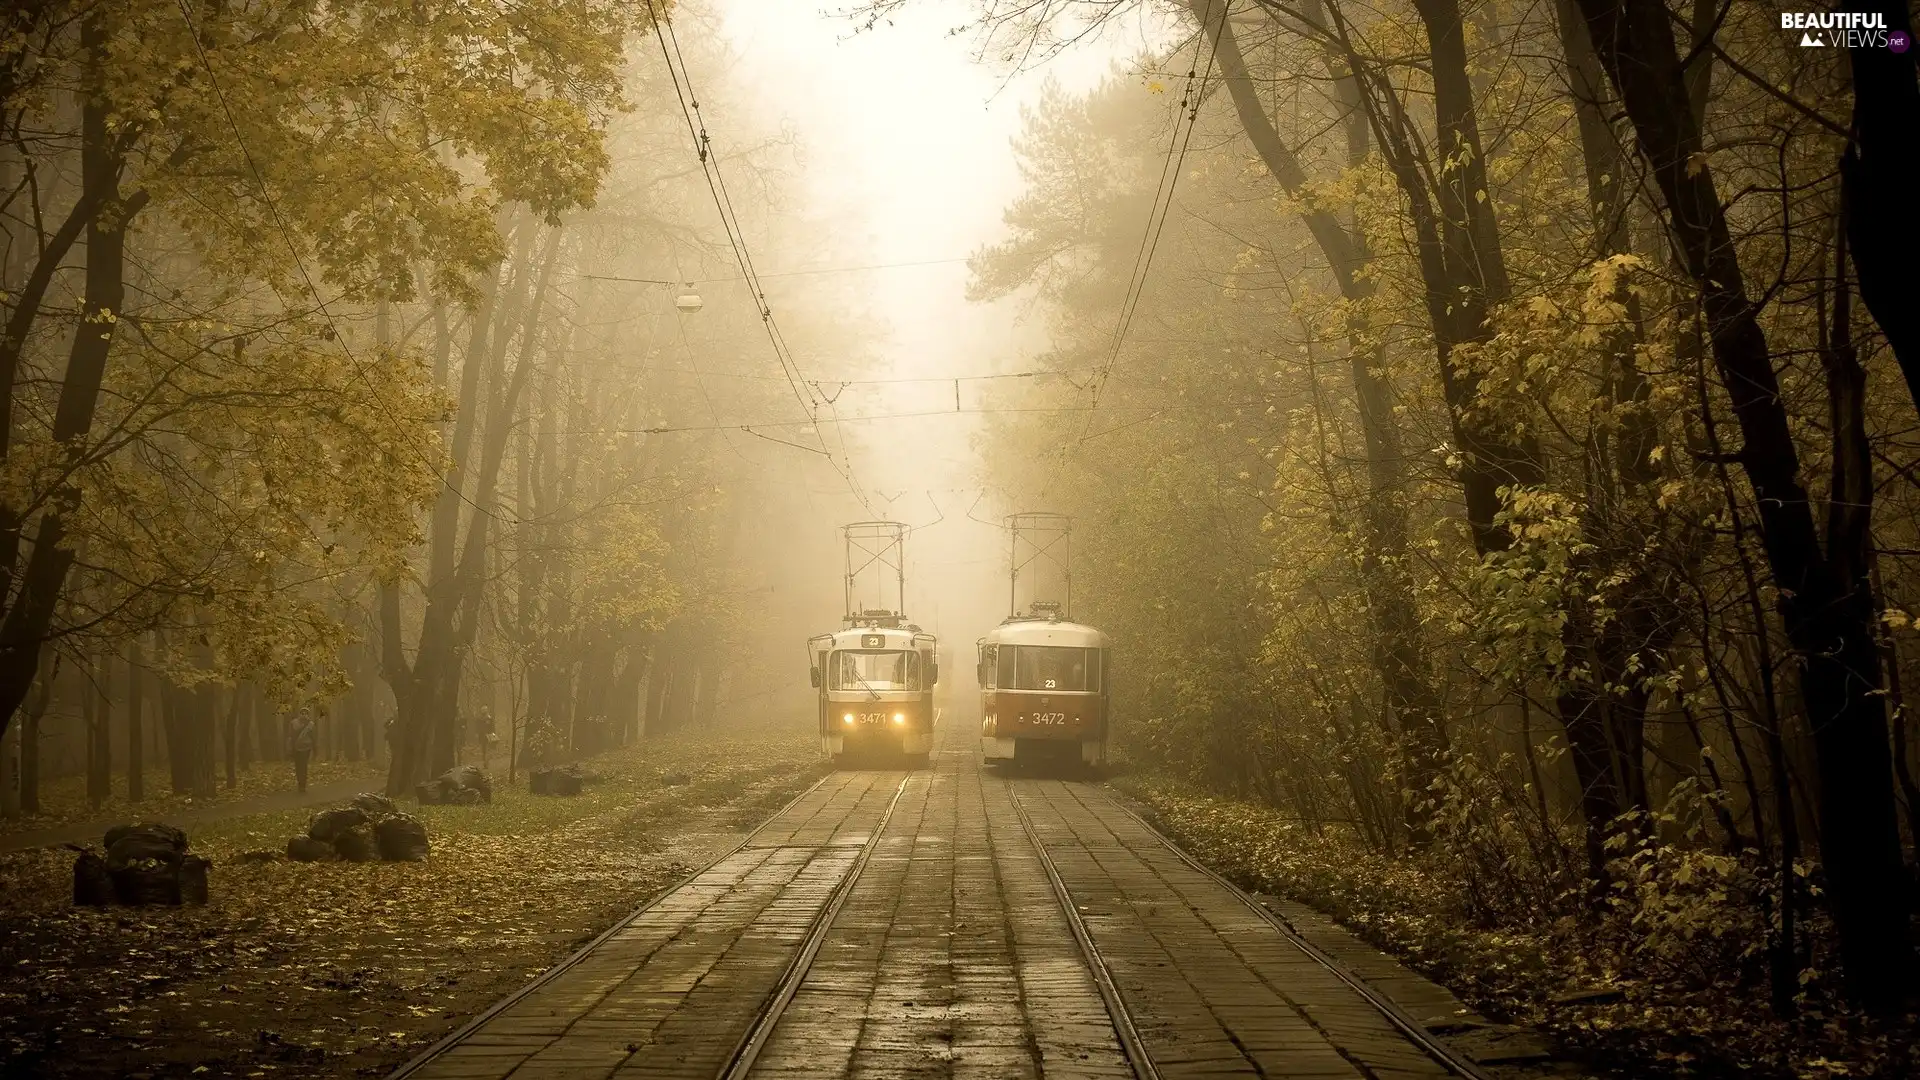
[(818, 649)]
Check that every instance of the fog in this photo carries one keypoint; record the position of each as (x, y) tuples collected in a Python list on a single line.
[(1488, 430), (894, 170)]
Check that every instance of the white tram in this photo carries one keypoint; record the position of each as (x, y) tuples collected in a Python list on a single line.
[(875, 684), (1043, 690)]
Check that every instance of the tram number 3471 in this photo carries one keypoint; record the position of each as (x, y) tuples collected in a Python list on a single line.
[(1047, 718)]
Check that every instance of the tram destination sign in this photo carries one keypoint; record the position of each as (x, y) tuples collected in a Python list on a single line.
[(873, 641)]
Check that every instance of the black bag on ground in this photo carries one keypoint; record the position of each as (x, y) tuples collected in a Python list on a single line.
[(92, 884), (401, 838), (473, 778), (193, 879), (152, 834), (565, 780), (328, 824), (144, 863), (355, 844), (374, 805), (462, 785), (307, 849), (147, 881)]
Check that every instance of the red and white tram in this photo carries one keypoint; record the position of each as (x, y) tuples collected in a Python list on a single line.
[(1043, 690)]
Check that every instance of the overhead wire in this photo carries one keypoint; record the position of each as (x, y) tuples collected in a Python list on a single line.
[(668, 429), (781, 273), (688, 99), (1172, 166)]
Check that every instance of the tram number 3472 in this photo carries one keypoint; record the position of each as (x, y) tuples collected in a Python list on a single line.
[(1046, 718)]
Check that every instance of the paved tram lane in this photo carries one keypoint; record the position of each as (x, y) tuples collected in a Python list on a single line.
[(891, 924), (950, 958), (1212, 987), (672, 992)]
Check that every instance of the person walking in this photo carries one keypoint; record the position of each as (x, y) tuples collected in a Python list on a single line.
[(300, 739)]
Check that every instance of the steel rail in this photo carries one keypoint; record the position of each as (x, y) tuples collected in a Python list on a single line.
[(1415, 1032), (1131, 1043), (461, 1033), (740, 1063)]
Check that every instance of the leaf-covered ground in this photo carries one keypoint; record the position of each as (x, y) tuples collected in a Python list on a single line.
[(1597, 990), (63, 801), (341, 969)]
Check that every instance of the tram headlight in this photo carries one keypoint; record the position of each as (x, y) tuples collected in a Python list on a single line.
[(848, 718), (899, 718)]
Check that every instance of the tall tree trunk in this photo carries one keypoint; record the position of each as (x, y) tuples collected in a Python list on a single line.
[(37, 704), (174, 721), (244, 728), (99, 710), (25, 628), (267, 730), (204, 714), (624, 712), (1412, 704), (659, 678), (10, 772), (230, 736), (1880, 171), (136, 704), (1824, 598)]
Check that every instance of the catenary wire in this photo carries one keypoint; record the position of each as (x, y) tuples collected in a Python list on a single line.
[(682, 81)]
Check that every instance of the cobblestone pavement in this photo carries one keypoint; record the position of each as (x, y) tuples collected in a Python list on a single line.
[(892, 924)]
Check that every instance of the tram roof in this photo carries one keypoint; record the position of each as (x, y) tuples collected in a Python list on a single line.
[(1045, 632), (894, 637)]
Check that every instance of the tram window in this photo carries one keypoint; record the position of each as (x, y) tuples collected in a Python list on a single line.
[(1050, 667), (875, 670)]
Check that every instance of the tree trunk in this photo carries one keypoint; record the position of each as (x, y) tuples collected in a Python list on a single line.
[(179, 746), (244, 728), (1412, 705), (99, 711), (230, 735), (659, 678), (10, 773), (30, 763), (24, 631), (1824, 599), (267, 730), (136, 704), (1880, 171), (37, 704)]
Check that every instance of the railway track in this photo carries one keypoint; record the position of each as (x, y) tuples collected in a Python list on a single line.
[(951, 923), (1124, 1028), (1415, 1032), (415, 1065), (748, 1052)]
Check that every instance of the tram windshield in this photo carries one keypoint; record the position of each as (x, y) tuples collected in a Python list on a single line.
[(1048, 667), (875, 670)]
